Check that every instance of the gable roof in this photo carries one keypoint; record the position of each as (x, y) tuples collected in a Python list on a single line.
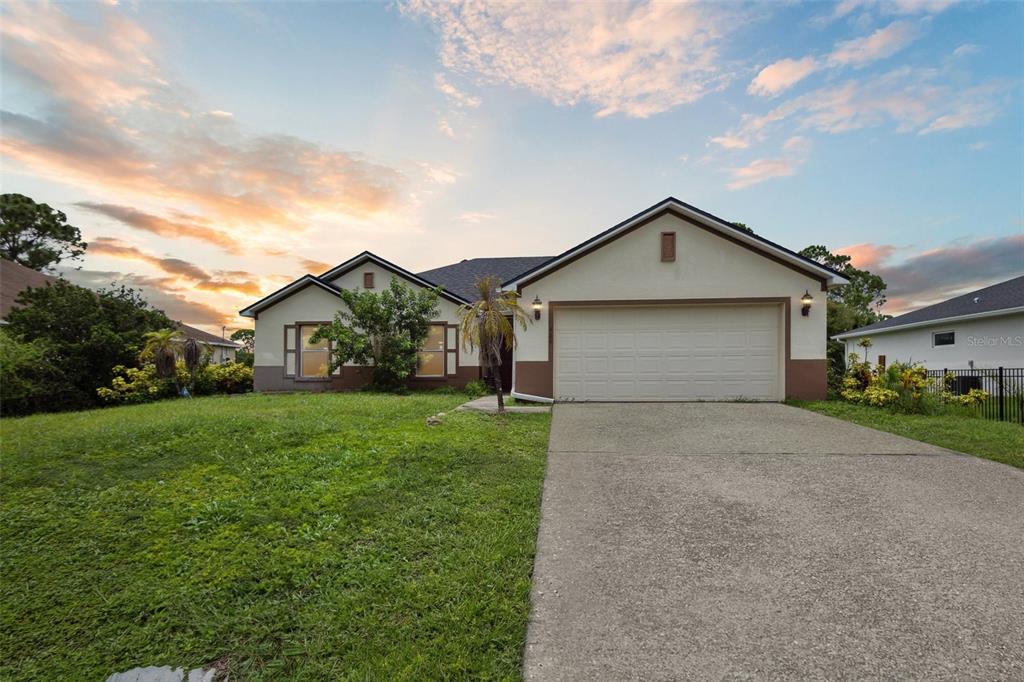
[(14, 279), (206, 337), (998, 299), (284, 292), (339, 270), (461, 277), (673, 206)]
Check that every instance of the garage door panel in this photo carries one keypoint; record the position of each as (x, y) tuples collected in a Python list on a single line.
[(668, 353)]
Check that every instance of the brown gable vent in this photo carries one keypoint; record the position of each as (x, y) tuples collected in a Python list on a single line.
[(367, 280), (668, 247)]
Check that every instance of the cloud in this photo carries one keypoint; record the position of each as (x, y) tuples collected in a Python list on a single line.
[(439, 175), (782, 75), (730, 142), (937, 274), (178, 269), (182, 225), (176, 306), (475, 217), (795, 152), (456, 96), (913, 100), (445, 127), (317, 266), (978, 146), (966, 50), (114, 122), (635, 59), (883, 43), (897, 7)]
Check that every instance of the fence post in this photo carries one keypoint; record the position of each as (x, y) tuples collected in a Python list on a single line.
[(1001, 392)]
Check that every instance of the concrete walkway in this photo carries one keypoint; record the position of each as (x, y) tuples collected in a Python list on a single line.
[(489, 404), (682, 541)]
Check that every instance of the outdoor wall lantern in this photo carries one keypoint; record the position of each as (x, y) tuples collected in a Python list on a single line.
[(536, 307), (806, 301)]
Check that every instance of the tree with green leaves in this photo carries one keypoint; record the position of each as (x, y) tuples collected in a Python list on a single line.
[(36, 235), (245, 337), (850, 306), (85, 333), (489, 325), (246, 354), (385, 330)]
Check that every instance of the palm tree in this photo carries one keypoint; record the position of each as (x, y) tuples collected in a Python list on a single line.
[(163, 347), (489, 324)]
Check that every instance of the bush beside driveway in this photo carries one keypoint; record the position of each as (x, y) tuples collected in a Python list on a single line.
[(285, 536)]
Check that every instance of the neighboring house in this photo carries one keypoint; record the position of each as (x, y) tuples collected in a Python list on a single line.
[(222, 349), (980, 330), (15, 278), (671, 304)]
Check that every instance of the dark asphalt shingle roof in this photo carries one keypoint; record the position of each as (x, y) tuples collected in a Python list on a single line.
[(1008, 294), (459, 277)]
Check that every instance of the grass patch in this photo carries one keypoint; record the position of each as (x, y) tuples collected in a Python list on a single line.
[(291, 536), (998, 441)]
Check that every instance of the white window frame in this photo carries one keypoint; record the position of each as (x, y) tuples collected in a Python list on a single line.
[(943, 345)]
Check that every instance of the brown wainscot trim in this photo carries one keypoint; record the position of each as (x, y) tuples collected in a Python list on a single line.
[(807, 379), (671, 211), (535, 377)]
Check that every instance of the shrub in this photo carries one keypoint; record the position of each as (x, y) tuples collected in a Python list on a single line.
[(972, 398), (30, 381), (233, 377), (476, 388), (143, 385), (86, 335)]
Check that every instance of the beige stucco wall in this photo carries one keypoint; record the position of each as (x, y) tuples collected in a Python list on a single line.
[(314, 304), (706, 266)]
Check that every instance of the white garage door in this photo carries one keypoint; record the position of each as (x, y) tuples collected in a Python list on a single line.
[(667, 353)]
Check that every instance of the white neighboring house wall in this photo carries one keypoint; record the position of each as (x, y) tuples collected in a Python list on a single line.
[(222, 354), (987, 342)]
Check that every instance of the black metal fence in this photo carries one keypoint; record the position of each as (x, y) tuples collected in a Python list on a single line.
[(1005, 386)]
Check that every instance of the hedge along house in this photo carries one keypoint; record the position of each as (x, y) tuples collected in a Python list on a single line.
[(671, 304)]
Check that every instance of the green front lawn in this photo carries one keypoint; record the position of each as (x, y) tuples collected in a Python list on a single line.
[(287, 537), (999, 441)]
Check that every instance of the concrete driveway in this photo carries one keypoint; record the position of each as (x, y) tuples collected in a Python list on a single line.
[(737, 541)]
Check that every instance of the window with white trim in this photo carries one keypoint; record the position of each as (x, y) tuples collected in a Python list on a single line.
[(431, 353), (943, 338)]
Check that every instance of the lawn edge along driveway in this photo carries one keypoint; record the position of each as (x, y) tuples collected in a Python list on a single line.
[(997, 441)]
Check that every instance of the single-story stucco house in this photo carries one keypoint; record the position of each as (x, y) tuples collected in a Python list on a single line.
[(980, 330), (670, 304)]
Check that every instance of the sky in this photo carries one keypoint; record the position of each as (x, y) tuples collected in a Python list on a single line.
[(213, 152)]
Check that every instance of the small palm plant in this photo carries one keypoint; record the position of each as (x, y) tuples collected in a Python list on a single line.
[(192, 352), (489, 324), (163, 347)]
